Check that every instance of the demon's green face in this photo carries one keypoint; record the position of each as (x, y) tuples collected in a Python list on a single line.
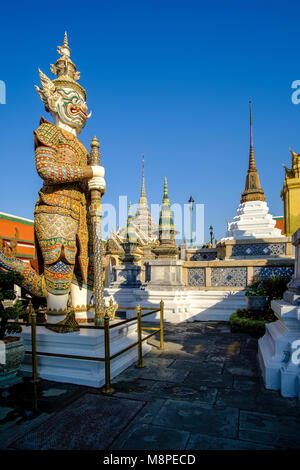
[(72, 108)]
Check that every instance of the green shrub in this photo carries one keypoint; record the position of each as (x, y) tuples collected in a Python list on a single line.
[(246, 322), (275, 287)]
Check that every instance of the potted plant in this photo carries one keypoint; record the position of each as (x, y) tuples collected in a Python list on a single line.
[(256, 296), (12, 349), (262, 291)]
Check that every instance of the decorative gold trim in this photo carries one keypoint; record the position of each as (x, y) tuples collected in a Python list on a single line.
[(83, 308), (56, 313), (85, 320)]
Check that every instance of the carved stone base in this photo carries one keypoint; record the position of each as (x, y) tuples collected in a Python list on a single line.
[(128, 275), (180, 305), (83, 343), (165, 274)]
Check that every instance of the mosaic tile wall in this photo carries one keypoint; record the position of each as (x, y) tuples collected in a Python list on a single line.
[(196, 277), (229, 277), (259, 249), (204, 256), (266, 272)]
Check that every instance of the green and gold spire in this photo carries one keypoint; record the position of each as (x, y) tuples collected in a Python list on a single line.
[(130, 232), (253, 190), (130, 244), (167, 246), (166, 223)]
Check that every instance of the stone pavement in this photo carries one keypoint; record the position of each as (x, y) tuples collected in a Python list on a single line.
[(204, 391)]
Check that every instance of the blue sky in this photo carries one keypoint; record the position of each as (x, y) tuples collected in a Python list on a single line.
[(169, 79)]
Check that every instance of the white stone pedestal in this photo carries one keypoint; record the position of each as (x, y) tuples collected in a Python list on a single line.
[(165, 274), (180, 305), (214, 305), (277, 347), (253, 220), (176, 304), (86, 343)]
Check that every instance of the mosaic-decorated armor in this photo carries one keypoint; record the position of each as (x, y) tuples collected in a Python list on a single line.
[(64, 262), (61, 211)]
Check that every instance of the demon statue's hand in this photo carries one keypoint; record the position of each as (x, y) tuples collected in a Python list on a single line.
[(97, 182)]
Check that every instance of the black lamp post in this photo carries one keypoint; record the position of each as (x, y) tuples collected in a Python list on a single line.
[(211, 231), (191, 203)]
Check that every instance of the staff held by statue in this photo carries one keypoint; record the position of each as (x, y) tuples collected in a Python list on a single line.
[(96, 214)]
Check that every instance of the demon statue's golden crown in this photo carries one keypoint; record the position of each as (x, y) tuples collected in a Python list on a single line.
[(67, 76)]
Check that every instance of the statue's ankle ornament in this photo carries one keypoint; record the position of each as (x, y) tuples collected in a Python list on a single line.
[(67, 325)]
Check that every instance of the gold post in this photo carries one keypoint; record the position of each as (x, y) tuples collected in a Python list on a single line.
[(161, 324), (139, 329), (111, 302), (107, 388), (32, 317)]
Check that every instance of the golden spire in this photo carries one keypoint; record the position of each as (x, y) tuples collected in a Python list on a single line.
[(166, 195), (167, 245), (166, 215), (143, 190), (143, 199), (253, 191), (252, 166), (142, 218), (129, 211)]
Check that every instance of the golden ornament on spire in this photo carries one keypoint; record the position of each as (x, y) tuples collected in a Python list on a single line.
[(143, 198), (143, 190), (166, 196), (252, 166), (95, 142)]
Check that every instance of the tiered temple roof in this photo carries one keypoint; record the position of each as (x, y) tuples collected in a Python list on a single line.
[(146, 228), (143, 219)]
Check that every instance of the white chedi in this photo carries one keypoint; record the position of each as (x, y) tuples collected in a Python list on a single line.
[(253, 220)]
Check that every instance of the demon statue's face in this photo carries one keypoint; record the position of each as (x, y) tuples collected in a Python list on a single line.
[(71, 108), (63, 97)]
